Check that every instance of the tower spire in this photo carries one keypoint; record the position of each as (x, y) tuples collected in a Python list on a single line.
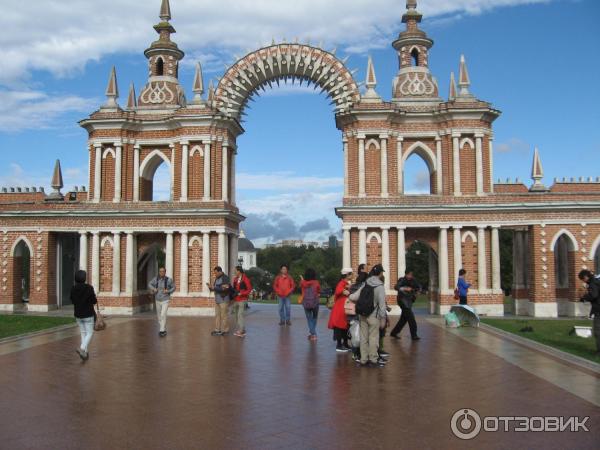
[(464, 81), (112, 90), (452, 92), (165, 11), (198, 87), (371, 94), (57, 183), (537, 172), (131, 99)]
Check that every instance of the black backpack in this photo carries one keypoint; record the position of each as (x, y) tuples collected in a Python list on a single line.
[(366, 301)]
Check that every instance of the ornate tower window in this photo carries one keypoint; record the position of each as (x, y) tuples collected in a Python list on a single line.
[(160, 67), (415, 57)]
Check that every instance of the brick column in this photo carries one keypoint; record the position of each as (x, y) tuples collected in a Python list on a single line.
[(457, 252), (96, 261), (400, 166), (98, 173), (205, 261), (384, 166), (456, 162), (443, 260), (136, 173), (130, 264), (362, 245), (361, 166), (401, 251), (184, 264), (479, 163), (439, 167), (169, 267), (347, 253), (225, 172), (481, 260), (118, 171), (185, 160), (207, 174), (496, 275), (83, 251), (116, 262), (346, 179), (385, 254)]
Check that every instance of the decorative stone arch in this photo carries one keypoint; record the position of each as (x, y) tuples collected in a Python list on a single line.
[(107, 239), (424, 152), (284, 61), (195, 240), (375, 235), (467, 141), (24, 240), (374, 142), (573, 246), (469, 234), (109, 151), (197, 149), (594, 248)]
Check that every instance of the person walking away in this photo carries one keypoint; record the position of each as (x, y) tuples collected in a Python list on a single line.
[(242, 288), (162, 287), (354, 320), (593, 296), (83, 298), (284, 287), (371, 308), (407, 288), (311, 291), (221, 288), (462, 286), (337, 319)]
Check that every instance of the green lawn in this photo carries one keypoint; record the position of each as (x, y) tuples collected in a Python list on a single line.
[(15, 325), (554, 333)]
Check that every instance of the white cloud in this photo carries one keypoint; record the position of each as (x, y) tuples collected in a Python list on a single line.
[(512, 145), (27, 109), (285, 181), (61, 37), (17, 176)]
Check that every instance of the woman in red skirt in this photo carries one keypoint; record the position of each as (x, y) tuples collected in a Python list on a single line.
[(337, 320)]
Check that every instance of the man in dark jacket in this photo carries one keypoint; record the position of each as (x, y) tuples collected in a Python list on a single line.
[(221, 288), (407, 288), (593, 296)]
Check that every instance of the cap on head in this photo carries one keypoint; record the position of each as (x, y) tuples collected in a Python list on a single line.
[(347, 271)]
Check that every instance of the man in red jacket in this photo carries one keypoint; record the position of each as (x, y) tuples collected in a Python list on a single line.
[(242, 288), (284, 287)]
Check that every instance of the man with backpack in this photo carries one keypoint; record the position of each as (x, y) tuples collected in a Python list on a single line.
[(372, 312), (407, 288), (311, 291), (162, 287), (593, 296)]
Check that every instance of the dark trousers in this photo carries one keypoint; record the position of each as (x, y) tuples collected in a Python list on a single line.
[(463, 299), (407, 316), (596, 331)]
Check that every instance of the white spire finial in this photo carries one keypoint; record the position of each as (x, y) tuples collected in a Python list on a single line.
[(112, 90), (198, 87), (537, 172), (464, 81), (131, 99), (371, 83)]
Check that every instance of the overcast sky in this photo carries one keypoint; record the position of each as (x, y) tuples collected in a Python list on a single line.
[(535, 60)]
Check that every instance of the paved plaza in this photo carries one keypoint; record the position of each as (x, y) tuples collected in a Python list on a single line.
[(276, 390)]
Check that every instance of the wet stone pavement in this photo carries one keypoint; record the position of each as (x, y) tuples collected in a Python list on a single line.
[(273, 389)]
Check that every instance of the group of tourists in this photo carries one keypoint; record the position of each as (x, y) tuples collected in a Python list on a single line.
[(358, 319)]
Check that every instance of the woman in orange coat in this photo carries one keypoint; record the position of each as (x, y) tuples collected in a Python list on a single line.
[(337, 320)]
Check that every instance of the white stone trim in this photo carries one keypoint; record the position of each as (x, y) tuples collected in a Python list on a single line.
[(362, 245), (106, 239), (136, 174), (467, 140), (151, 156), (371, 142), (184, 264), (191, 312), (443, 275), (537, 309), (207, 171), (116, 275), (401, 252), (574, 245), (470, 234), (205, 261), (109, 151), (482, 281), (456, 164), (385, 255), (374, 234), (384, 167), (347, 256), (439, 169), (423, 150), (194, 240), (594, 248), (185, 161), (361, 168), (197, 149), (83, 251), (27, 242)]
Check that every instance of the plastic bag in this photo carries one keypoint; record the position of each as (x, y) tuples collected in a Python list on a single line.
[(354, 333)]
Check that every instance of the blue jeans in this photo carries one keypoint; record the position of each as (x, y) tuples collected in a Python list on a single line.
[(311, 317), (285, 307), (86, 329)]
